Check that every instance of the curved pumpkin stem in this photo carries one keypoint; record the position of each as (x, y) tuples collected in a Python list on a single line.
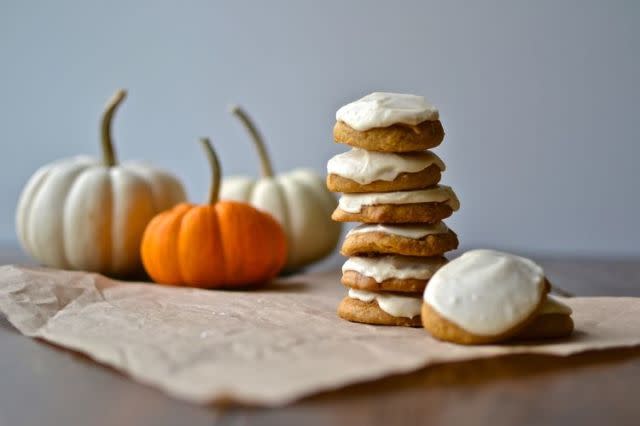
[(108, 152), (214, 163), (258, 141)]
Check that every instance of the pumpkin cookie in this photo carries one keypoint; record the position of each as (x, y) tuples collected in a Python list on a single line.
[(409, 240), (389, 122), (380, 308), (395, 138), (403, 182), (418, 206), (403, 274), (359, 170), (552, 322), (484, 296)]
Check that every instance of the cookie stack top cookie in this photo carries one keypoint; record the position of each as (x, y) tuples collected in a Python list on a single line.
[(390, 183), (389, 122)]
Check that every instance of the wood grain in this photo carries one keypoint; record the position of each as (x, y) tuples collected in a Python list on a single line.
[(42, 384)]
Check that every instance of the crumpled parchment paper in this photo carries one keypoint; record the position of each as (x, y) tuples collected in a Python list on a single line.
[(266, 347)]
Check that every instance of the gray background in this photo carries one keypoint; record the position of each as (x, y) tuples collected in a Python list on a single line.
[(539, 99)]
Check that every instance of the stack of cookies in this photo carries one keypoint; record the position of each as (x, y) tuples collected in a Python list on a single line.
[(390, 183)]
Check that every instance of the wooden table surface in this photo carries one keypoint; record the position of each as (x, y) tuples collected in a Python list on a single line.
[(44, 385)]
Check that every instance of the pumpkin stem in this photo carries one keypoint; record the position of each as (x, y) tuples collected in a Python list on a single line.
[(214, 163), (108, 152), (265, 162)]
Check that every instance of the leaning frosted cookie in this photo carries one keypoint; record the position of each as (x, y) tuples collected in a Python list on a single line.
[(390, 273), (429, 205), (389, 122), (359, 170), (484, 296), (406, 239), (553, 321), (380, 308)]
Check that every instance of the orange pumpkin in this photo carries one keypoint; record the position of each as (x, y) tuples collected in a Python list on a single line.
[(223, 244)]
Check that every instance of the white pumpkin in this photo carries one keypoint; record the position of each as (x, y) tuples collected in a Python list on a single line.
[(299, 200), (86, 214)]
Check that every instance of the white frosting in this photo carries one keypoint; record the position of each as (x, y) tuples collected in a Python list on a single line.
[(394, 305), (352, 203), (399, 267), (552, 305), (486, 292), (365, 167), (380, 109), (411, 230)]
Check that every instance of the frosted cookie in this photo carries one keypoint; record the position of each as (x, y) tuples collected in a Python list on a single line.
[(484, 296), (390, 273), (389, 122), (359, 170), (380, 308), (429, 205), (552, 321), (405, 239)]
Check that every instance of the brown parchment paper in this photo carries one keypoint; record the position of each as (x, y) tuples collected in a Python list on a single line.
[(266, 347)]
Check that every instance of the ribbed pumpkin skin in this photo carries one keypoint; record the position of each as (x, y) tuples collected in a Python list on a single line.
[(225, 245), (301, 203)]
